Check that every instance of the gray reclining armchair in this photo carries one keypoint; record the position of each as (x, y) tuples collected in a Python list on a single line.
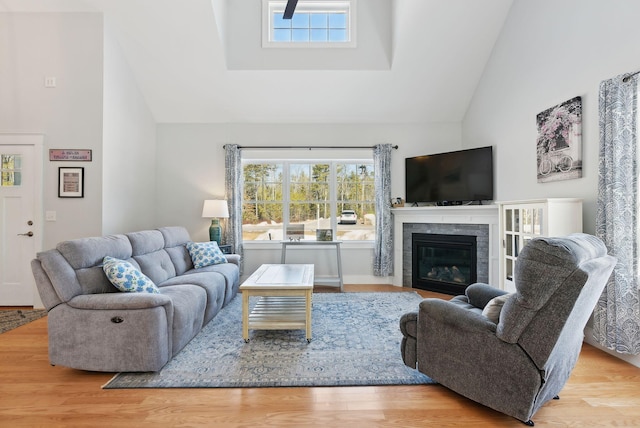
[(516, 357)]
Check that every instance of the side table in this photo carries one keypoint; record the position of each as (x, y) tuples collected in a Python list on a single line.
[(226, 249), (310, 244)]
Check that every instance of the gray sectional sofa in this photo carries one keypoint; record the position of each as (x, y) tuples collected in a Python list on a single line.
[(94, 326)]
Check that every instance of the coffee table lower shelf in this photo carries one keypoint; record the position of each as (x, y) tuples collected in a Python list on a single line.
[(279, 313)]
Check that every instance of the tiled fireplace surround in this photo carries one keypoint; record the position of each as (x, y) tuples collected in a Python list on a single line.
[(476, 220)]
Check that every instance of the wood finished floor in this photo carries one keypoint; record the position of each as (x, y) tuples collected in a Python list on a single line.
[(602, 391)]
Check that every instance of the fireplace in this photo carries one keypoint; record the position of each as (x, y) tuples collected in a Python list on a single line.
[(480, 221), (443, 263)]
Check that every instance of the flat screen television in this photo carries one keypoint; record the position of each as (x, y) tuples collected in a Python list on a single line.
[(450, 178)]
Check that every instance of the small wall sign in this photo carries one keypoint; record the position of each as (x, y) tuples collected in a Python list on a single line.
[(69, 155)]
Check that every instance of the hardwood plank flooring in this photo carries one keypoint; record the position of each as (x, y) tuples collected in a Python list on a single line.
[(602, 391)]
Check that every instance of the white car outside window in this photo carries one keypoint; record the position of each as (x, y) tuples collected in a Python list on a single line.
[(348, 217)]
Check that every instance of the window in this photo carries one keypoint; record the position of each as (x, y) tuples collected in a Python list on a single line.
[(314, 24), (293, 199), (11, 166)]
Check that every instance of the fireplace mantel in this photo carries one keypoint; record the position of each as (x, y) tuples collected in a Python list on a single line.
[(460, 214)]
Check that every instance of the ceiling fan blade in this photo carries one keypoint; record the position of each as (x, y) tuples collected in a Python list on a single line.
[(289, 9)]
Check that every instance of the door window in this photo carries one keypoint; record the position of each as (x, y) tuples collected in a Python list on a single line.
[(11, 170)]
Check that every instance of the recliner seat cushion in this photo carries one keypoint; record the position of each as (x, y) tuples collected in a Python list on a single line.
[(212, 283), (230, 273), (188, 312)]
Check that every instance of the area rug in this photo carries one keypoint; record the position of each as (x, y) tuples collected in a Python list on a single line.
[(356, 341), (10, 319)]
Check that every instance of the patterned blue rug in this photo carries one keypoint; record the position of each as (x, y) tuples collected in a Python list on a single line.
[(356, 341)]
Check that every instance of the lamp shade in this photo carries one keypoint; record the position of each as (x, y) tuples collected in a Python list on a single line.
[(215, 208)]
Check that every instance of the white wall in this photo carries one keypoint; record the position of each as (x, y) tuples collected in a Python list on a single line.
[(68, 47), (373, 50), (191, 169), (550, 51), (129, 148)]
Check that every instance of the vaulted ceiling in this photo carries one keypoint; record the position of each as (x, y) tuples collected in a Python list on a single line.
[(201, 61)]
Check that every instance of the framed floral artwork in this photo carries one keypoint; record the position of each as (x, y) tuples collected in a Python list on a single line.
[(559, 145)]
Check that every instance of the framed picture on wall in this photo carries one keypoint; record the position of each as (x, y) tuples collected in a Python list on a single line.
[(559, 144), (70, 182)]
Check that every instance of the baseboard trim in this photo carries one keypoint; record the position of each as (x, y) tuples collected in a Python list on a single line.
[(631, 359)]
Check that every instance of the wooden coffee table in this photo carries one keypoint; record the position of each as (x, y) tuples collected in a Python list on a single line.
[(286, 291)]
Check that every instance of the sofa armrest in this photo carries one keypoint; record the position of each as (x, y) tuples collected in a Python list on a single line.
[(408, 323), (453, 315), (123, 301), (480, 294), (408, 345), (94, 331), (233, 258)]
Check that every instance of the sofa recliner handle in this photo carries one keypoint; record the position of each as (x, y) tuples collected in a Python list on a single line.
[(117, 320)]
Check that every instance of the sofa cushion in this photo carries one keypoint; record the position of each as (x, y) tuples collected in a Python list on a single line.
[(175, 240), (213, 283), (145, 241), (188, 303), (174, 236), (156, 265), (205, 254), (125, 277), (231, 275), (88, 252), (180, 258), (94, 280)]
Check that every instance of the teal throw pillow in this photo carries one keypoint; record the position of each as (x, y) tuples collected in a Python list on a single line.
[(125, 277), (205, 254)]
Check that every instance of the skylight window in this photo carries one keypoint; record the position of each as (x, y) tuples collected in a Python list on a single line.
[(314, 24)]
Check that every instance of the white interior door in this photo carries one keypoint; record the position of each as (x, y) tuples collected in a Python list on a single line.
[(20, 184)]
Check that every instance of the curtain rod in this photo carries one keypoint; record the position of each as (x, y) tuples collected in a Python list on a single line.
[(306, 147)]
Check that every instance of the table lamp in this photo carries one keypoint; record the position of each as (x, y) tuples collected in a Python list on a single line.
[(215, 209)]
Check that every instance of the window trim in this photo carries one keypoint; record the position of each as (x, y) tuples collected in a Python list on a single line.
[(271, 6)]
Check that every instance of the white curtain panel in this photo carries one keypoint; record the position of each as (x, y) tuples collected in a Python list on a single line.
[(383, 247), (233, 190), (617, 314)]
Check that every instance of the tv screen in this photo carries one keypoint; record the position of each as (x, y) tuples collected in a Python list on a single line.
[(450, 178)]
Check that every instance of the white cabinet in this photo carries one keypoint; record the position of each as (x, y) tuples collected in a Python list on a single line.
[(520, 221)]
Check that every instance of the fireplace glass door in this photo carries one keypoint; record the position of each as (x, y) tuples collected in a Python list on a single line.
[(444, 263)]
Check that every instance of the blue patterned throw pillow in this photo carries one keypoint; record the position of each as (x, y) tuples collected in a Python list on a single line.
[(125, 277), (205, 254)]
